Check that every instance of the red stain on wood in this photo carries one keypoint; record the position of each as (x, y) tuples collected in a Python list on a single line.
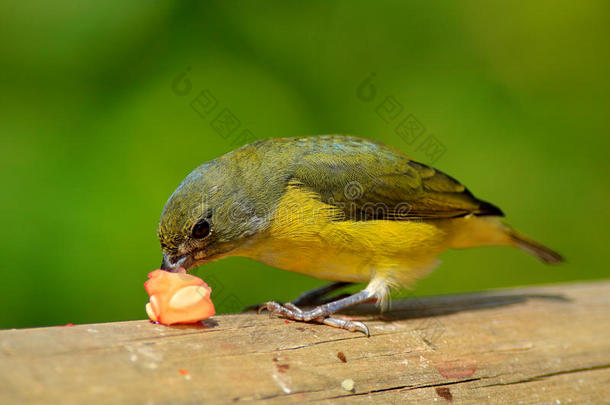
[(456, 369), (282, 368), (444, 392)]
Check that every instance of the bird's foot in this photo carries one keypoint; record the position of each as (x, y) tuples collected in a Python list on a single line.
[(320, 314)]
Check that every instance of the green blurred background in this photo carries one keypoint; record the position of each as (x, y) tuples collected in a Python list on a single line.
[(97, 131)]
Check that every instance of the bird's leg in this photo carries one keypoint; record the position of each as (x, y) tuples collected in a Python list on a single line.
[(314, 297), (321, 313)]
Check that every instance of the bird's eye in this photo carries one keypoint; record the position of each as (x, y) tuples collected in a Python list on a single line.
[(201, 229)]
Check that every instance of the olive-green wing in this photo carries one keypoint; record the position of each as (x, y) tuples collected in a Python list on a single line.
[(386, 185)]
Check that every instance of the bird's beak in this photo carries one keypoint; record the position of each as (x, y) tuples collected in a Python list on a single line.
[(173, 264)]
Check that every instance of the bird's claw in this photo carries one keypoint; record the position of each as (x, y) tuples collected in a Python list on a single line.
[(352, 326), (318, 314)]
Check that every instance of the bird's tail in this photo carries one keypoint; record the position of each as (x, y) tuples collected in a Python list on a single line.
[(490, 231), (538, 250)]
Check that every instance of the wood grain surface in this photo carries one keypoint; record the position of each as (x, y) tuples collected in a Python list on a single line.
[(543, 345)]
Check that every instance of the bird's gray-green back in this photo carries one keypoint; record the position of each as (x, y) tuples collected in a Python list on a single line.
[(352, 173)]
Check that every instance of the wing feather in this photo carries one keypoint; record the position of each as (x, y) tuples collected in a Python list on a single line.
[(368, 180)]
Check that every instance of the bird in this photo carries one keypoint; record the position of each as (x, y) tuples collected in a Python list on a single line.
[(339, 208)]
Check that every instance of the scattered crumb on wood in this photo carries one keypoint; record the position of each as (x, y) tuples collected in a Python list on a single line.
[(341, 357), (348, 385)]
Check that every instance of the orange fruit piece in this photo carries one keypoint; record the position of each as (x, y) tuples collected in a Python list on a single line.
[(177, 298)]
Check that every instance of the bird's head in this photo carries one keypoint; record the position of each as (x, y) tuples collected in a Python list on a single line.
[(205, 218)]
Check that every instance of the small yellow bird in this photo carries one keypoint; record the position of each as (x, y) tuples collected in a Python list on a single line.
[(339, 208)]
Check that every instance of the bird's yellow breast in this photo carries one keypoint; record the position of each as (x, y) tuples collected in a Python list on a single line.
[(310, 237)]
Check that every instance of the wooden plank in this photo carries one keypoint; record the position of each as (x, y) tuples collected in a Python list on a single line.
[(546, 344)]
